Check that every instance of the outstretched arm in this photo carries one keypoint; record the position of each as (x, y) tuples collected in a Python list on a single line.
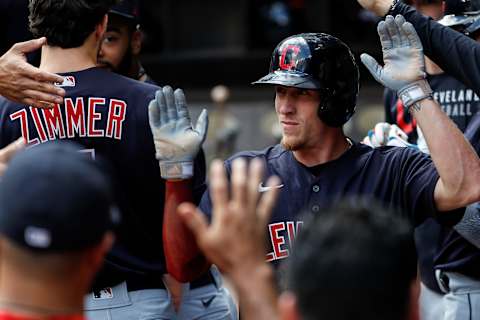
[(457, 54), (23, 83), (177, 144), (404, 71)]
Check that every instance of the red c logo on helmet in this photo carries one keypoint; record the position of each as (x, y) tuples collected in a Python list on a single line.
[(292, 51)]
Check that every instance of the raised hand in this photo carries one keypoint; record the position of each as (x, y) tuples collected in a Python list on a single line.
[(176, 141), (404, 62)]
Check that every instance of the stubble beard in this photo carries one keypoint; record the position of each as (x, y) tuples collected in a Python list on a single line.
[(292, 144)]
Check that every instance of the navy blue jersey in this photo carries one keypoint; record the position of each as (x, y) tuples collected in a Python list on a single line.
[(400, 178), (108, 114), (459, 56), (460, 104), (457, 101)]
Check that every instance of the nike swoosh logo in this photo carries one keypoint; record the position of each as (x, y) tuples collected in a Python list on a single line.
[(207, 302), (261, 188)]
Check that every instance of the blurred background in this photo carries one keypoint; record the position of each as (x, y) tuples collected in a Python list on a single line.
[(199, 45)]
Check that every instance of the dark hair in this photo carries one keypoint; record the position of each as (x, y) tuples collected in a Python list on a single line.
[(66, 23), (354, 262)]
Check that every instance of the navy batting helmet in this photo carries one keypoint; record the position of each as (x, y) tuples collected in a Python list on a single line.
[(318, 61)]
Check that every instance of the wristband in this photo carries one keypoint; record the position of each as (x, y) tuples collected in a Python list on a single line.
[(176, 170), (415, 92)]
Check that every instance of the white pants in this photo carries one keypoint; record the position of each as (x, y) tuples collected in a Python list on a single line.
[(210, 302), (462, 298)]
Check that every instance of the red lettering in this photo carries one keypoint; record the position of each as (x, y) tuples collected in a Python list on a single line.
[(38, 124), (75, 117), (293, 50), (270, 257), (94, 116), (278, 240), (116, 116), (22, 115), (54, 122)]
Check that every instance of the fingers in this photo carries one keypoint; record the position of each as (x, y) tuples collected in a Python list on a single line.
[(239, 182), (385, 39), (45, 87), (393, 31), (162, 106), (43, 98), (36, 103), (9, 151), (399, 21), (254, 180), (412, 36), (154, 114), (194, 219), (29, 46), (371, 64), (170, 102), (202, 124), (181, 105), (218, 188), (268, 201), (43, 76)]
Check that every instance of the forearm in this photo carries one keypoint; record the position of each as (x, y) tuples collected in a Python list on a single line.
[(257, 292), (455, 160), (457, 54), (184, 260)]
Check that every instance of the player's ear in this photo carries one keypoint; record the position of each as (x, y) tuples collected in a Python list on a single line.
[(287, 306), (102, 27), (136, 42)]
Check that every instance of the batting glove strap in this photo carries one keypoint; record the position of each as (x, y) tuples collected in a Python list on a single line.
[(415, 92), (176, 170)]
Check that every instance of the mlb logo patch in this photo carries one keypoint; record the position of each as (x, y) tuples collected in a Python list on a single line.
[(103, 294), (68, 81)]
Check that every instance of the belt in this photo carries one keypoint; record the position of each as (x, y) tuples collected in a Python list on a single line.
[(143, 284), (204, 280)]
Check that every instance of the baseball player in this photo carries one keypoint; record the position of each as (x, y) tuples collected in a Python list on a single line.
[(356, 254), (461, 104), (54, 240), (122, 42), (316, 83), (107, 114), (457, 261), (119, 52)]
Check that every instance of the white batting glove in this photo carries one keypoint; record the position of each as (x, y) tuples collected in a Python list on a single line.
[(404, 69), (385, 134), (176, 142)]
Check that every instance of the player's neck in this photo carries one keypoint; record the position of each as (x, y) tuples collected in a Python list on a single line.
[(36, 296), (59, 60), (330, 147)]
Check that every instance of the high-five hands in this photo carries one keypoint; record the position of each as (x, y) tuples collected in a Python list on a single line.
[(404, 62), (176, 141)]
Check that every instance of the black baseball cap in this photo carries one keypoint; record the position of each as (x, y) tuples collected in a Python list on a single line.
[(53, 198), (127, 9)]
